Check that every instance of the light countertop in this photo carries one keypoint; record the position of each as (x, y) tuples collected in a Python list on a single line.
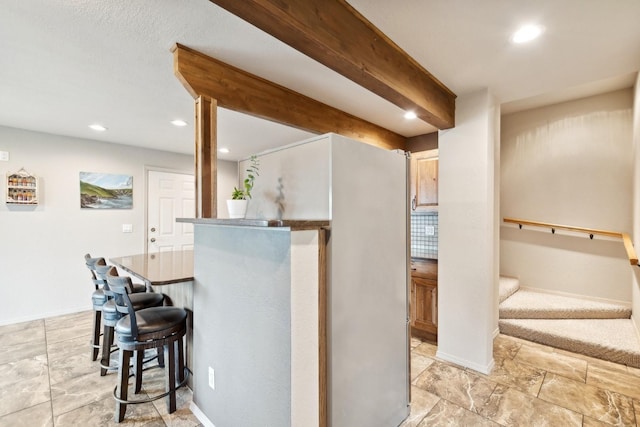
[(160, 268)]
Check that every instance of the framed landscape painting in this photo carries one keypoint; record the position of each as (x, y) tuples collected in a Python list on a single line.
[(106, 191)]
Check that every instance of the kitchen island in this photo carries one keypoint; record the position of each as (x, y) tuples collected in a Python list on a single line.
[(301, 315)]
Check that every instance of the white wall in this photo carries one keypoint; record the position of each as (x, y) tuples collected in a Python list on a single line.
[(572, 164), (227, 179), (467, 274), (635, 287), (42, 271), (294, 183)]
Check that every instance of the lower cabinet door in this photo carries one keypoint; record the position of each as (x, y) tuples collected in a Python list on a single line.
[(424, 307)]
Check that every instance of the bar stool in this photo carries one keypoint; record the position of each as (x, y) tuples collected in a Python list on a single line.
[(111, 314), (156, 327), (98, 299)]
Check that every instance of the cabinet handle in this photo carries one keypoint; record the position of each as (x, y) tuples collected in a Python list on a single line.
[(414, 203), (153, 239)]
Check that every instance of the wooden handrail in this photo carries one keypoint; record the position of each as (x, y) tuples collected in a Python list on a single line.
[(626, 240)]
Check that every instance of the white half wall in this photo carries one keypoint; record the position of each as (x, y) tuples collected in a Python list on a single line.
[(571, 164), (42, 270), (467, 275)]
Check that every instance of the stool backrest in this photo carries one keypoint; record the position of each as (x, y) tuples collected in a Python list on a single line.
[(101, 272), (92, 263), (121, 286)]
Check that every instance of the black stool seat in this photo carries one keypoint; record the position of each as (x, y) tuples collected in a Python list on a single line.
[(152, 323)]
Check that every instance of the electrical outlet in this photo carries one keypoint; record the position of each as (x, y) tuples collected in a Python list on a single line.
[(430, 230), (212, 379), (4, 156)]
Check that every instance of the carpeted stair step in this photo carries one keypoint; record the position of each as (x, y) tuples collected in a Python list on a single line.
[(608, 339), (528, 304), (507, 286)]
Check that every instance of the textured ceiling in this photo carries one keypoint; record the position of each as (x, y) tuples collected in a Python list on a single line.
[(69, 63), (465, 43)]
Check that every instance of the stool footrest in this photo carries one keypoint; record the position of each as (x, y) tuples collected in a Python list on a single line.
[(115, 368), (151, 398)]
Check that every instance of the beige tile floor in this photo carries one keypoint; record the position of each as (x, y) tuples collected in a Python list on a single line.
[(531, 385), (48, 379)]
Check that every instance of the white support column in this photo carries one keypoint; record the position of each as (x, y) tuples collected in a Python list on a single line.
[(469, 233)]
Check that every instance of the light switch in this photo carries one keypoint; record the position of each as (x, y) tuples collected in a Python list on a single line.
[(430, 230), (4, 156), (127, 228)]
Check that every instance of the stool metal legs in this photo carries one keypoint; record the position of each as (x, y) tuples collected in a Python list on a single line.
[(107, 342), (175, 376), (123, 385), (170, 383), (95, 342)]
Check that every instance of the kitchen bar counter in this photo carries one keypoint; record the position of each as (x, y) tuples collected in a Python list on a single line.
[(162, 268), (294, 225)]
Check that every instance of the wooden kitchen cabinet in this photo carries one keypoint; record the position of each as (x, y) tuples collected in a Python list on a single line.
[(424, 180), (424, 300)]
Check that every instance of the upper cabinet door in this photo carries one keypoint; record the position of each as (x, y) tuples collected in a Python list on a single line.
[(424, 180)]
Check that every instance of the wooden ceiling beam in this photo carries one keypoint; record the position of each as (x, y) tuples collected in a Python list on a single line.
[(237, 90), (335, 34)]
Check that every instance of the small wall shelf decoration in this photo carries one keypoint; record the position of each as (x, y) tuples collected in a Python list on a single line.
[(22, 188)]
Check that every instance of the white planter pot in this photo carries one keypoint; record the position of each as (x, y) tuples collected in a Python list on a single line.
[(237, 208)]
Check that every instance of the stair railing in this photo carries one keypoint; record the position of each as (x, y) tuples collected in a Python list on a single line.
[(626, 240)]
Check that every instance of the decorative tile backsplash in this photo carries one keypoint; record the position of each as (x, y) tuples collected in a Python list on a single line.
[(423, 246)]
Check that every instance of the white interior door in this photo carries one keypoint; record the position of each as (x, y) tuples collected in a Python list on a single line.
[(170, 196)]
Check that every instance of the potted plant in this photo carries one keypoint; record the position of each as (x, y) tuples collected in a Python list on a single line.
[(237, 206)]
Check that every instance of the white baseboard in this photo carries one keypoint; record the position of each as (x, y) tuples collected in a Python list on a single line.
[(200, 415), (467, 364)]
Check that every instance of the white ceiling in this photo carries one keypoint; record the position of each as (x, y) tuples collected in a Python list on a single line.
[(69, 63)]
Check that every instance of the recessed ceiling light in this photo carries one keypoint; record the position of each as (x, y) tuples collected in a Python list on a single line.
[(178, 122), (410, 115), (223, 150), (98, 127), (526, 33)]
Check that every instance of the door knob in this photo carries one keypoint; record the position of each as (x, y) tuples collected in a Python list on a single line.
[(153, 239), (153, 229)]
